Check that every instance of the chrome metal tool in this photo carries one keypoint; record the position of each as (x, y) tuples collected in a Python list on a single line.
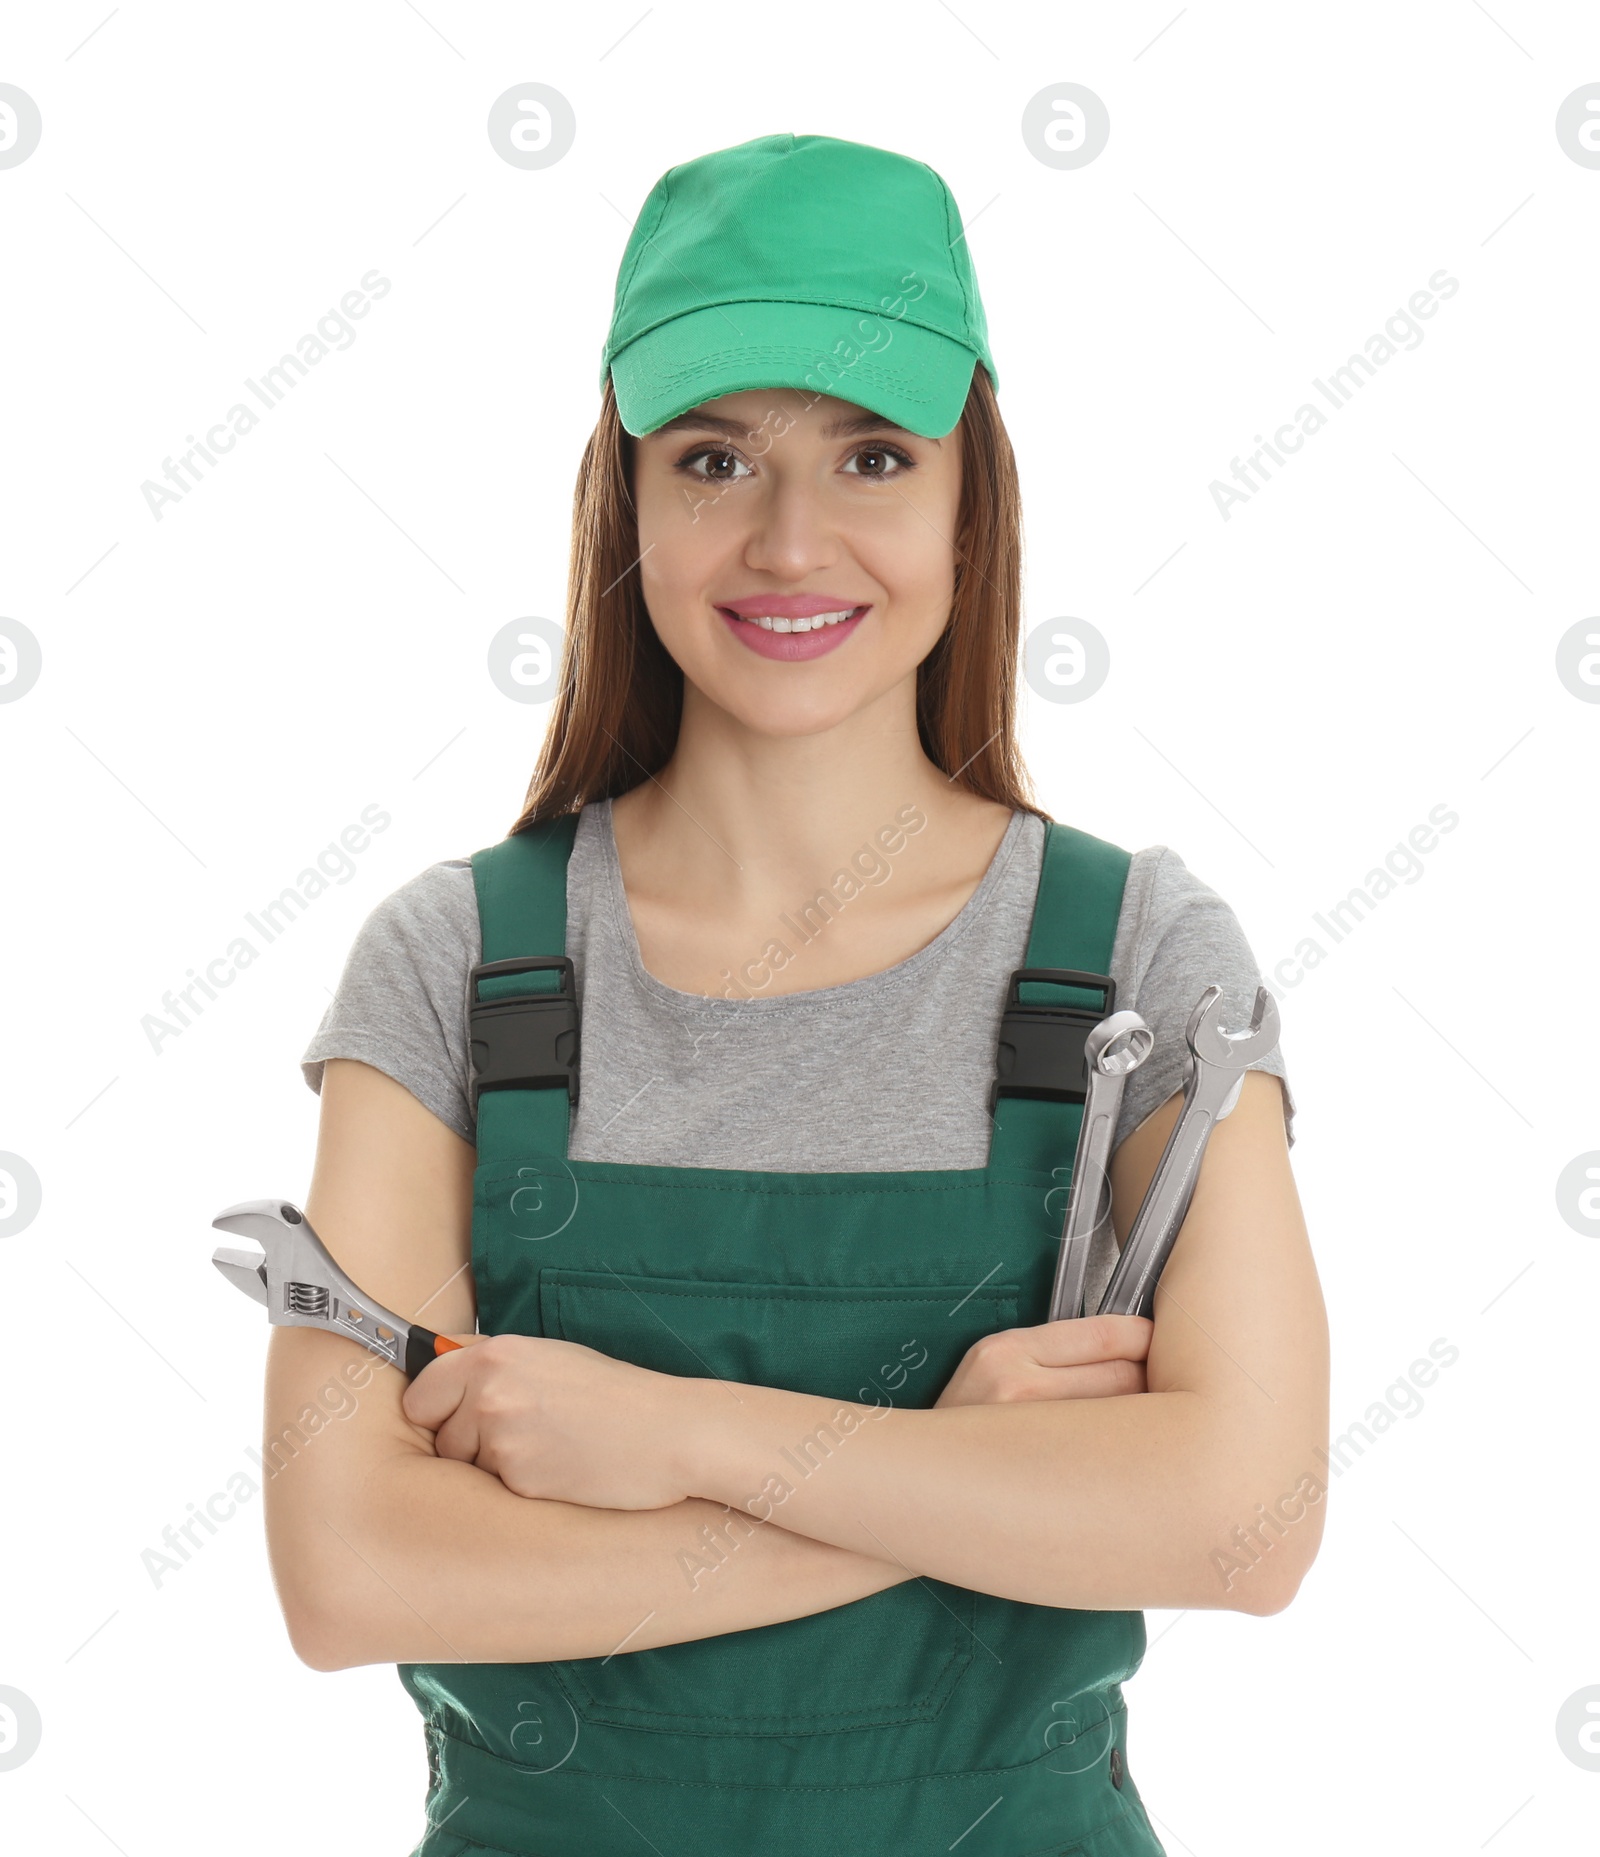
[(1112, 1051), (302, 1287), (1217, 1063)]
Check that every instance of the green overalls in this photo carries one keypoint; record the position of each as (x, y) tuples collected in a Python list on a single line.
[(919, 1718)]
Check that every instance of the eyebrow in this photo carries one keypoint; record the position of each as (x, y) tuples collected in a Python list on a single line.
[(695, 421)]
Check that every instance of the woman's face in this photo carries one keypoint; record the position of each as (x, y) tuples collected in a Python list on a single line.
[(770, 503)]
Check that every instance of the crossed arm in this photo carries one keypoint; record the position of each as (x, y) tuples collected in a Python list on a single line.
[(530, 1499)]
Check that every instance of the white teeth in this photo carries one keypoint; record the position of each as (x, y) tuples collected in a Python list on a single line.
[(769, 624)]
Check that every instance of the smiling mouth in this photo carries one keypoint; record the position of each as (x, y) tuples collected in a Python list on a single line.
[(814, 623)]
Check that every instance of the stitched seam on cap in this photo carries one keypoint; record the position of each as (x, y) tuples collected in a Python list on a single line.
[(952, 219), (643, 246), (897, 378), (865, 309)]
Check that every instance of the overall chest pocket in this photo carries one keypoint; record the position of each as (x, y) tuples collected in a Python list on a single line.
[(892, 1657)]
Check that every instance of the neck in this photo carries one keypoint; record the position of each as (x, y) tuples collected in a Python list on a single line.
[(739, 817)]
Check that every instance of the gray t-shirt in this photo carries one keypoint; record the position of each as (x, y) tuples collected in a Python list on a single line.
[(888, 1072)]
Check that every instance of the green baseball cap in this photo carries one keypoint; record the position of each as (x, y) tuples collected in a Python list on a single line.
[(798, 261)]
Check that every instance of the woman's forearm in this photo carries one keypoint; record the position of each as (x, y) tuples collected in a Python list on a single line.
[(1100, 1503), (439, 1562)]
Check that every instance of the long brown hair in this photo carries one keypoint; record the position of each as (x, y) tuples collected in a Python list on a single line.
[(620, 701)]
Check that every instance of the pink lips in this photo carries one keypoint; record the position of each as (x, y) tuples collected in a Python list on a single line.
[(790, 646)]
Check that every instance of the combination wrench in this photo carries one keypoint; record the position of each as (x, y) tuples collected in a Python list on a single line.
[(1112, 1051), (1217, 1063)]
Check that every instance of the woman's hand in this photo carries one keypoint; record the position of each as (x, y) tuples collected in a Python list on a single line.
[(1087, 1357), (555, 1419), (558, 1420)]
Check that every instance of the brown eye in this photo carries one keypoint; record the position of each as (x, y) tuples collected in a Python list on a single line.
[(713, 455), (897, 461)]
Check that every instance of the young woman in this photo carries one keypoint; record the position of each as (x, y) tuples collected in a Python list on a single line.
[(764, 1507)]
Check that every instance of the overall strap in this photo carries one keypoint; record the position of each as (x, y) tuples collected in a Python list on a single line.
[(1075, 914), (531, 1039)]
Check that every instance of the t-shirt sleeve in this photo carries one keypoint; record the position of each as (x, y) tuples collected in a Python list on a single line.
[(401, 1001), (1175, 938)]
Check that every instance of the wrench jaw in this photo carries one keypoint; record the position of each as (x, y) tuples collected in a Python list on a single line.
[(1210, 1047), (244, 1271), (1218, 1061), (300, 1283), (1232, 1050), (1113, 1050)]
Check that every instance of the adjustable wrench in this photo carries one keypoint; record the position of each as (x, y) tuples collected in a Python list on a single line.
[(1217, 1063), (1114, 1049), (302, 1287)]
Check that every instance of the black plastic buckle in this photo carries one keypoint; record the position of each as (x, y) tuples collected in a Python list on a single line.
[(527, 1041), (1041, 1047)]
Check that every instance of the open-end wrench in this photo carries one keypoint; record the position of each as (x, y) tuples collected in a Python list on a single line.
[(302, 1287), (1217, 1063), (1112, 1051)]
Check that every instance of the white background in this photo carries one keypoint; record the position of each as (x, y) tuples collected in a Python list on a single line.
[(1292, 690)]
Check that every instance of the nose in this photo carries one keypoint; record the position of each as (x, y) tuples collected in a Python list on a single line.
[(791, 531)]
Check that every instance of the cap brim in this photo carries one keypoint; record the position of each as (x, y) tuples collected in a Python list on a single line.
[(892, 367)]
